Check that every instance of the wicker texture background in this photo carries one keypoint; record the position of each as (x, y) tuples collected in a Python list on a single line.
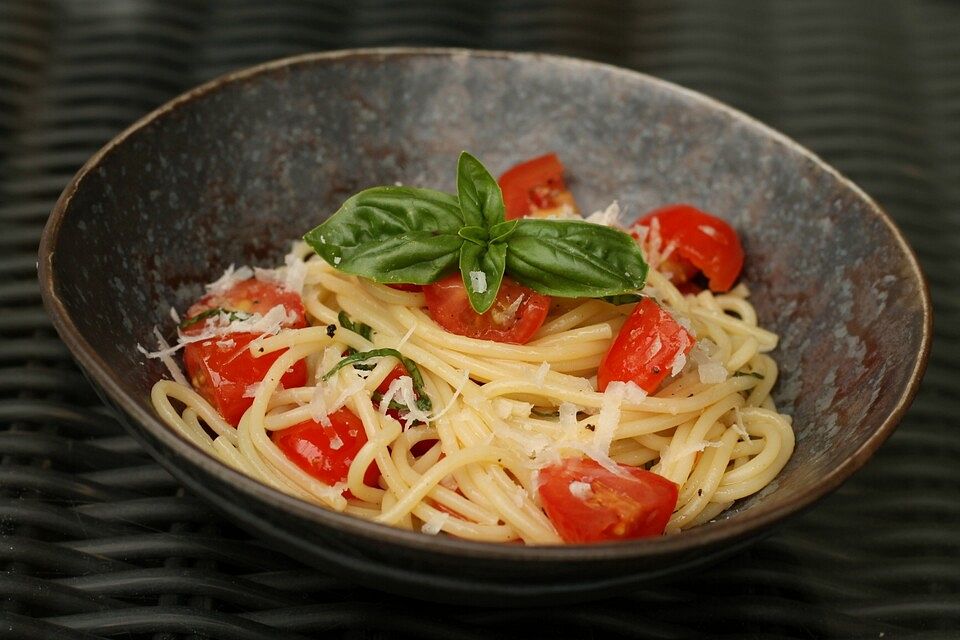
[(99, 542)]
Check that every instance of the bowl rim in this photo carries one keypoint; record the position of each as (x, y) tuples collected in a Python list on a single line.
[(748, 523)]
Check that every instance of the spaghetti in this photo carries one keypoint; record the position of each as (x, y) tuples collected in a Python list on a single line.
[(501, 412)]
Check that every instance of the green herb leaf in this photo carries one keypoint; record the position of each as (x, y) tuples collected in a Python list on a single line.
[(361, 329), (753, 374), (490, 260), (573, 259), (392, 235), (211, 313), (623, 298), (423, 400), (502, 230), (480, 198), (476, 235)]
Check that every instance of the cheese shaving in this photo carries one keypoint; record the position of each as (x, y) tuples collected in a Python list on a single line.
[(581, 490), (609, 417), (318, 406), (609, 217), (435, 523), (230, 278), (541, 375), (478, 281), (163, 354)]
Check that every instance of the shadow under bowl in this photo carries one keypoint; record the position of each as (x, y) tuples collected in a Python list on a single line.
[(233, 170)]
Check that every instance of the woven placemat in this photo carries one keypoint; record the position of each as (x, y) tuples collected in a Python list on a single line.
[(99, 542)]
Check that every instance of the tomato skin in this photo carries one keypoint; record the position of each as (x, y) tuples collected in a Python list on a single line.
[(636, 504), (326, 452), (222, 374), (645, 348), (449, 307), (535, 185), (704, 241)]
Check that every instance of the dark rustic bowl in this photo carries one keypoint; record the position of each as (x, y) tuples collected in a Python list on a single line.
[(233, 170)]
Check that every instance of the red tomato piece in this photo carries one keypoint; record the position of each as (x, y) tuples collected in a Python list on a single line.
[(588, 503), (645, 348), (327, 452), (251, 296), (222, 368), (704, 241), (222, 374), (535, 186), (450, 307)]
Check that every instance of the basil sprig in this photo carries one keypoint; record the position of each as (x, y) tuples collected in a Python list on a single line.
[(405, 235)]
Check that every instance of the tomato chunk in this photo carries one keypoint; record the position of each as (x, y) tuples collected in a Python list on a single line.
[(505, 321), (699, 239), (588, 503), (645, 349), (251, 296), (326, 453), (536, 187), (222, 368)]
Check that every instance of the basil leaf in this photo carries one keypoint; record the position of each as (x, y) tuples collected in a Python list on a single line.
[(479, 194), (490, 260), (392, 234), (423, 401), (572, 259), (502, 230), (623, 298), (361, 329), (476, 235), (753, 374)]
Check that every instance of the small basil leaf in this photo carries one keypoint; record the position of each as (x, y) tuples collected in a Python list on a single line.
[(479, 194), (573, 259), (502, 230), (624, 298), (412, 370), (212, 313), (753, 374), (360, 328), (392, 234), (490, 261), (476, 235)]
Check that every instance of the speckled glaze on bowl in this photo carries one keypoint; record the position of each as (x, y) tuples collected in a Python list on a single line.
[(231, 171)]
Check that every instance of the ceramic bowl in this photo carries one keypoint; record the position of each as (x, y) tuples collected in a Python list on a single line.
[(230, 172)]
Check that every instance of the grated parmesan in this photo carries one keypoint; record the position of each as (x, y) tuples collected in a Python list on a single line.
[(229, 279), (478, 281), (435, 523), (609, 417), (541, 376), (609, 217), (318, 406), (581, 490)]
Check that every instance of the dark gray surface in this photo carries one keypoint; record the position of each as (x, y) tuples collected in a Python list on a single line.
[(230, 172), (868, 85)]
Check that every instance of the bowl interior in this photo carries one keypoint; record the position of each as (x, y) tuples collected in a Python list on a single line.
[(234, 171)]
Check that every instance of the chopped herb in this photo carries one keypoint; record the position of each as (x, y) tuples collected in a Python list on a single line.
[(623, 298), (544, 413), (423, 400), (331, 330), (748, 373), (211, 313), (359, 328)]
